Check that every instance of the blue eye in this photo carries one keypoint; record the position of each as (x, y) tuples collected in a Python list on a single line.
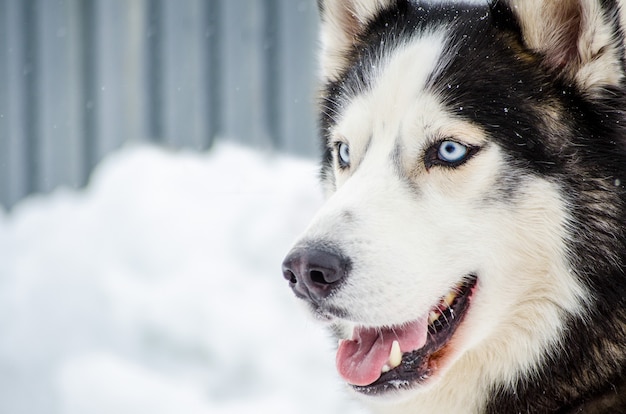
[(452, 152), (344, 154), (448, 153)]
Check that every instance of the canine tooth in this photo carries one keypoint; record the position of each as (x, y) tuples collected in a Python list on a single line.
[(433, 316), (449, 298), (395, 356), (386, 368)]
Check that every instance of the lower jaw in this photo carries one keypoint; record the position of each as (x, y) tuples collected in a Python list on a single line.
[(395, 385), (421, 369)]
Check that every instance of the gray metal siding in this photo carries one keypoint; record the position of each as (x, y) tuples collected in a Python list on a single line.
[(79, 78)]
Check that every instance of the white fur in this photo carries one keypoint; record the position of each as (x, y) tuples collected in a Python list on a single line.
[(411, 239), (550, 26), (525, 289), (341, 23)]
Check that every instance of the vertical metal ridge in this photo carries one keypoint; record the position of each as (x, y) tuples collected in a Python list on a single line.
[(5, 165), (154, 70), (272, 72), (89, 94), (212, 70), (30, 66)]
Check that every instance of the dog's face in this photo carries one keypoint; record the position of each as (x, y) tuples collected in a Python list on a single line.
[(443, 240)]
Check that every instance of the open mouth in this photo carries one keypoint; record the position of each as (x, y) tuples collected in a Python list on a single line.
[(377, 360)]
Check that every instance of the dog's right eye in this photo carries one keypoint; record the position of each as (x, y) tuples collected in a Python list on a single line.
[(343, 151)]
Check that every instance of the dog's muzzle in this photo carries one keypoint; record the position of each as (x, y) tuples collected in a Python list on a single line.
[(314, 273)]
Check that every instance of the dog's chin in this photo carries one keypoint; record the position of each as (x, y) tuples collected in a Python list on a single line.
[(387, 361)]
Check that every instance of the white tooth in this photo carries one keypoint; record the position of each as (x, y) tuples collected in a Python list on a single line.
[(395, 356), (433, 316), (449, 298), (386, 368)]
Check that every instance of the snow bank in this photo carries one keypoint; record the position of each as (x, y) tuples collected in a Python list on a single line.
[(158, 290)]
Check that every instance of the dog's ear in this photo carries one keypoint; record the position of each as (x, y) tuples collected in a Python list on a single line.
[(342, 22), (579, 40)]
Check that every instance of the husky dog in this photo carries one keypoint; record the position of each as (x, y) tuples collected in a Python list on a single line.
[(471, 255)]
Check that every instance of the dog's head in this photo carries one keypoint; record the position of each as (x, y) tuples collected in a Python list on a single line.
[(448, 129)]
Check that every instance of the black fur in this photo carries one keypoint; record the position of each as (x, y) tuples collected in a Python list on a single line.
[(495, 82)]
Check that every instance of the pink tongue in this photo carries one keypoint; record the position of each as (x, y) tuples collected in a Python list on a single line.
[(360, 360)]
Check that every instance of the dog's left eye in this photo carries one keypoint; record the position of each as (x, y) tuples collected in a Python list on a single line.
[(448, 153), (452, 152)]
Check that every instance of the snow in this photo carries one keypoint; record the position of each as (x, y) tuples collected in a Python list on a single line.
[(158, 290)]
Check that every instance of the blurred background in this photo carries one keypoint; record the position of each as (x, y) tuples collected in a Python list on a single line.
[(79, 78), (156, 164)]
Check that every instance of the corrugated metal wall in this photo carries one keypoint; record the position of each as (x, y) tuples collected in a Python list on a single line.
[(78, 78)]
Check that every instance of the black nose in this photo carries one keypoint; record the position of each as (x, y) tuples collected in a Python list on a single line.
[(314, 273)]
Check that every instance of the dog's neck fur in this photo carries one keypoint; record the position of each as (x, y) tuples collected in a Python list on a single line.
[(611, 401)]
